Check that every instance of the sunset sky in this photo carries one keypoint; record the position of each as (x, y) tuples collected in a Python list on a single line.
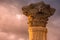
[(13, 24)]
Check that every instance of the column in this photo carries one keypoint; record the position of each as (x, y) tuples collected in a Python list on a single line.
[(38, 15)]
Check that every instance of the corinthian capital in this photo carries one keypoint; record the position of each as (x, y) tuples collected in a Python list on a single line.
[(38, 13)]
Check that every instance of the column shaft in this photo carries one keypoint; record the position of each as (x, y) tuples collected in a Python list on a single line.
[(37, 33)]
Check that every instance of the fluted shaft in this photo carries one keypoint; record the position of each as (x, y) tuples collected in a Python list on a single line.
[(37, 33)]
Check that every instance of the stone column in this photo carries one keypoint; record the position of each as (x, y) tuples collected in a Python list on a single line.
[(37, 33), (38, 14)]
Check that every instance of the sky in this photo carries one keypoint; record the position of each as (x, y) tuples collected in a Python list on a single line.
[(13, 24)]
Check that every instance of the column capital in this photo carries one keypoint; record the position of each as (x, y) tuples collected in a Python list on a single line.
[(38, 13)]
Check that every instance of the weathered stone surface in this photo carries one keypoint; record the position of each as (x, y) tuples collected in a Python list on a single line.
[(38, 13), (37, 33)]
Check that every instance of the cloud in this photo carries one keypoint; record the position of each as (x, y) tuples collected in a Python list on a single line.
[(12, 28)]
